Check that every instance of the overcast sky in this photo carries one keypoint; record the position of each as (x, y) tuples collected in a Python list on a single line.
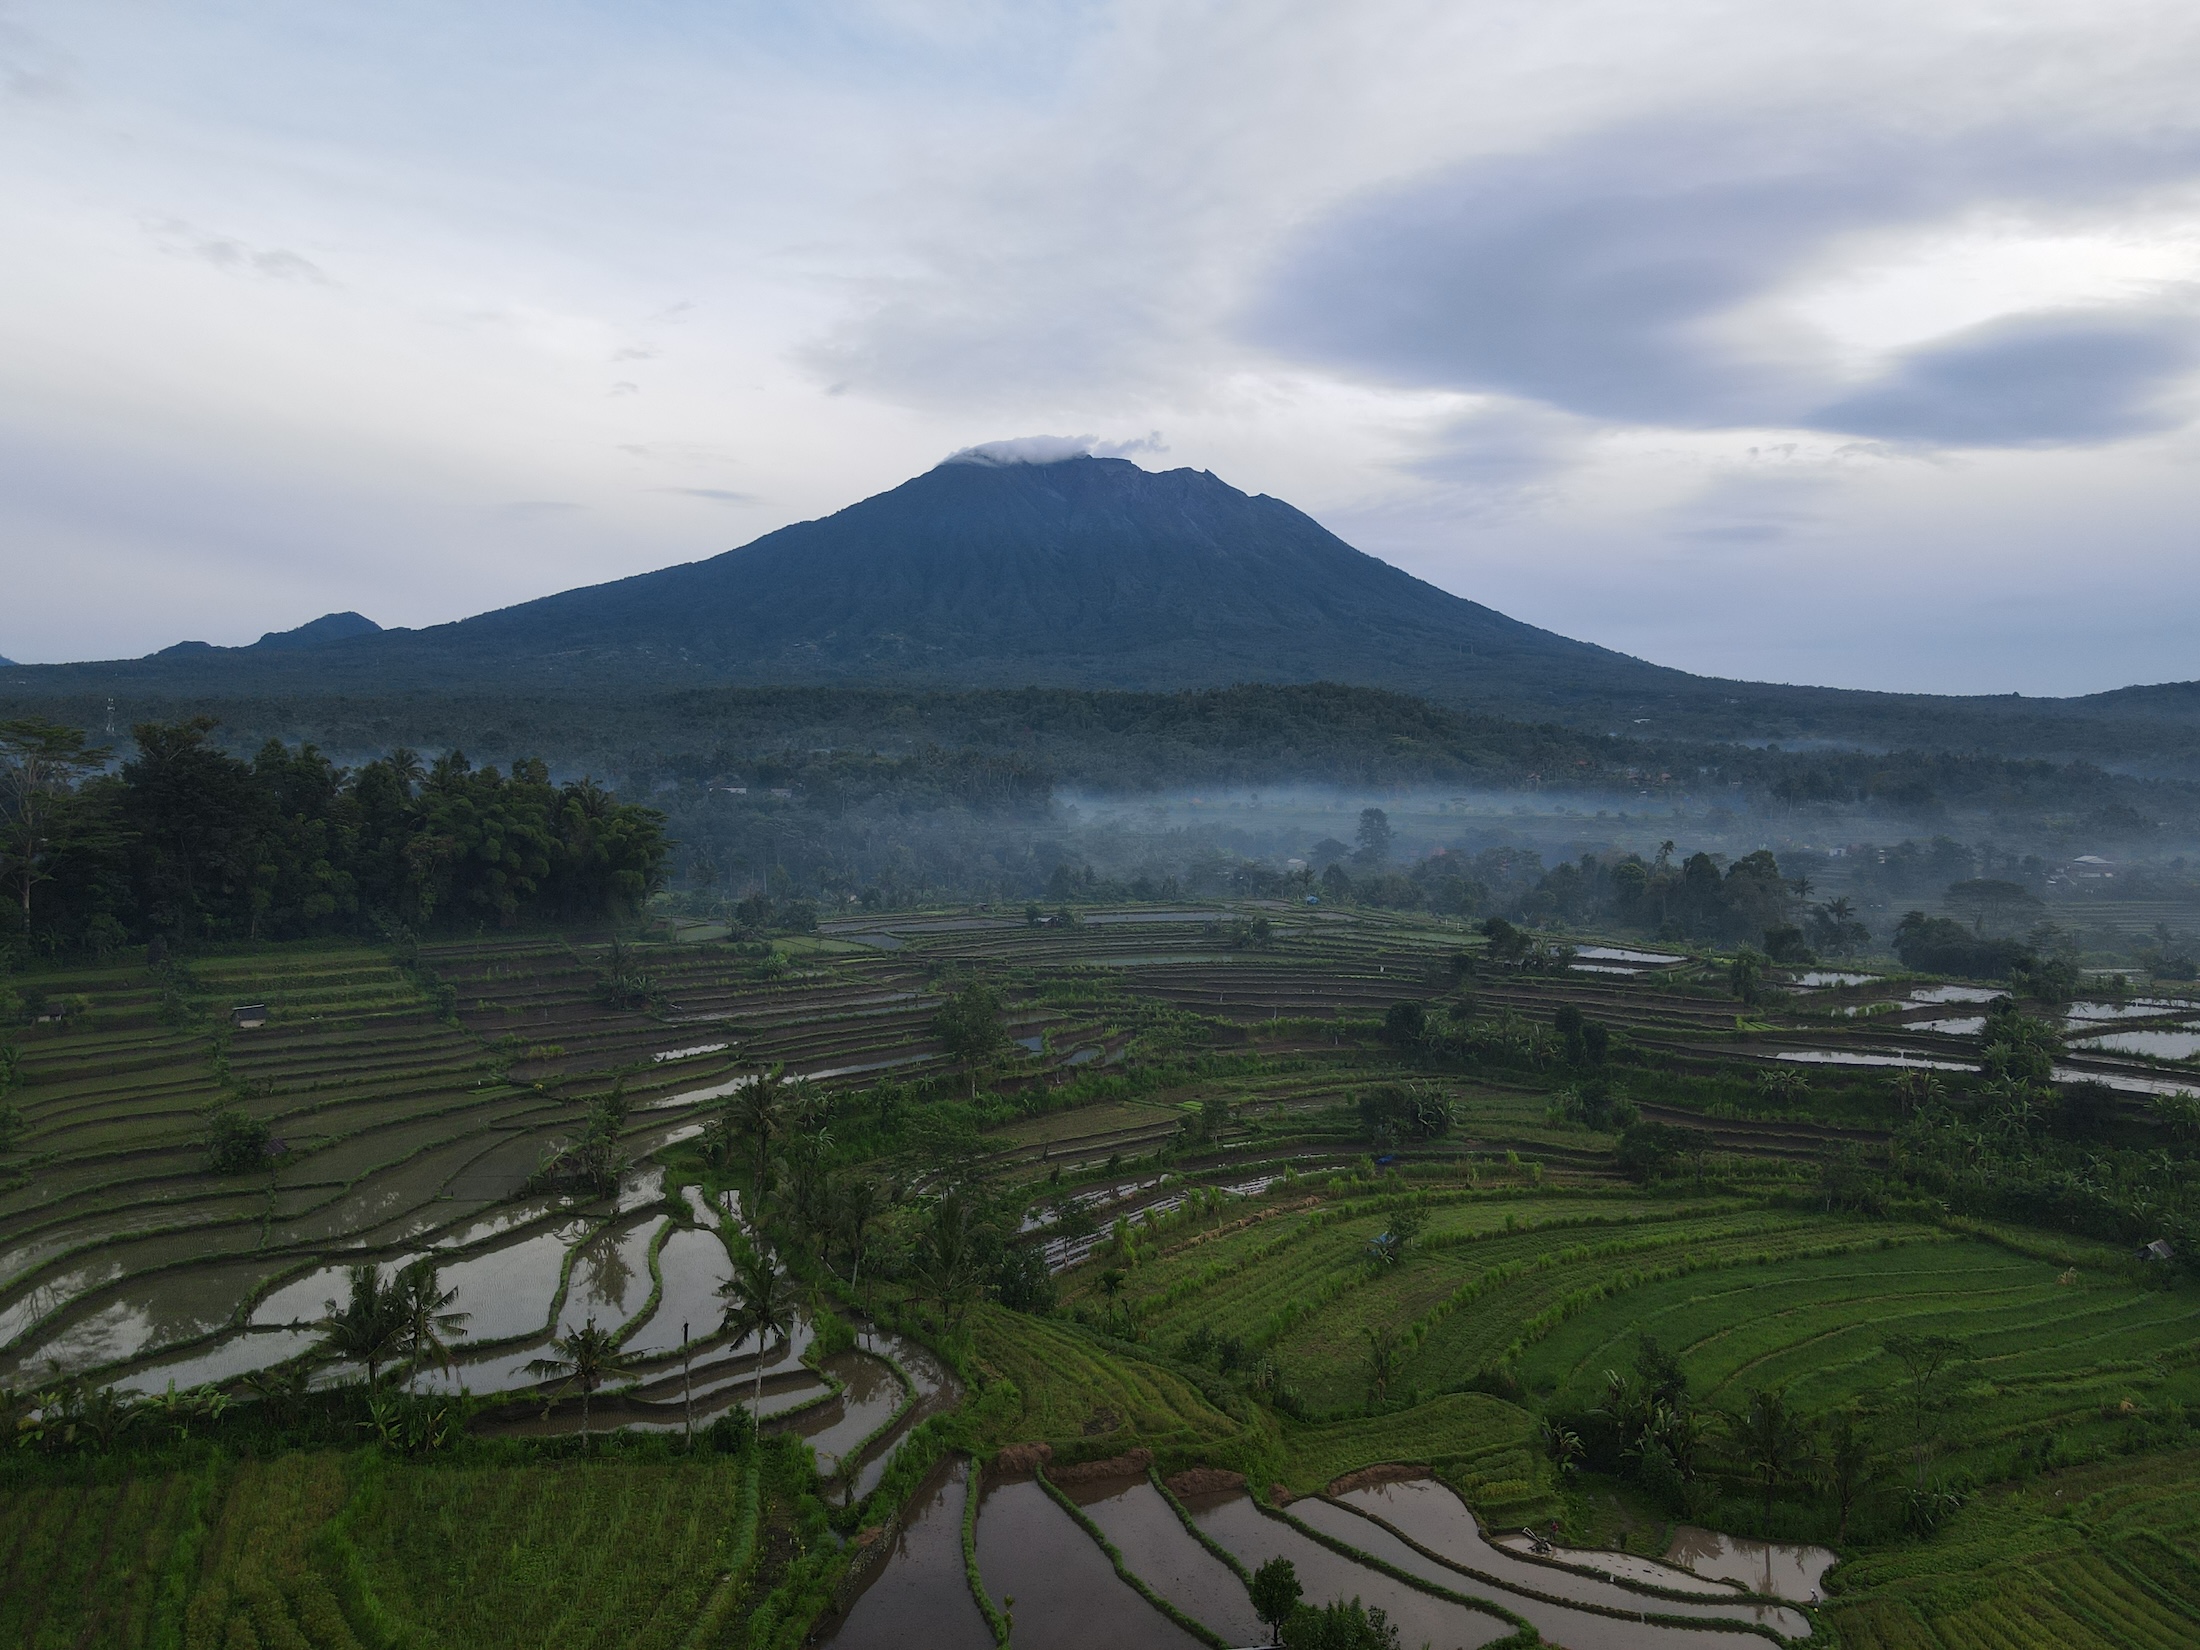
[(1850, 343)]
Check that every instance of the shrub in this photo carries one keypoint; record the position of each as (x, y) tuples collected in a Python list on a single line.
[(236, 1141)]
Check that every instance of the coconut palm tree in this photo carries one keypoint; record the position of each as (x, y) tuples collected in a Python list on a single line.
[(369, 1326), (756, 1112), (762, 1299), (588, 1357), (856, 1210), (947, 1268), (1382, 1361), (429, 1323)]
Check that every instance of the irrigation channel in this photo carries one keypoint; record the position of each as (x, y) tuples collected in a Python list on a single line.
[(1178, 1571)]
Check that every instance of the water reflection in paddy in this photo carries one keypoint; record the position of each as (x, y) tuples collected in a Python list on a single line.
[(1780, 1568), (2139, 1008), (1627, 1566), (2180, 1044), (225, 1359), (1162, 1553), (1842, 1057), (1927, 996), (1436, 1518), (1068, 1596), (937, 1392), (870, 1393), (508, 1291), (1254, 1538), (918, 1594), (693, 1265), (610, 1278), (137, 1315)]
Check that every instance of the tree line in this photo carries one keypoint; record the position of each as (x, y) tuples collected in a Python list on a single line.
[(184, 844)]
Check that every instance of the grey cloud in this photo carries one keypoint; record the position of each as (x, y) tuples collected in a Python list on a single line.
[(717, 495), (236, 256), (1124, 449), (1596, 277), (535, 509), (2058, 378)]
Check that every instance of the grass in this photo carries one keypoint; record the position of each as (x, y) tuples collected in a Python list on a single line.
[(321, 1550), (1082, 1396), (1479, 1439), (2103, 1557), (2046, 1354)]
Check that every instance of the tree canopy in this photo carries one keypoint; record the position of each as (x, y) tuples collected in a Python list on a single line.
[(189, 844)]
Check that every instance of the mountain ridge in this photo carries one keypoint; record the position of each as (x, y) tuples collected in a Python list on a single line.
[(1079, 572)]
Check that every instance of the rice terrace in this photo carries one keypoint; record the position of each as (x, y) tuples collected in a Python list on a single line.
[(1102, 1272), (938, 825)]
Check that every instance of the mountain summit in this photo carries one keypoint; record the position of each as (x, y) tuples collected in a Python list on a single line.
[(1082, 571)]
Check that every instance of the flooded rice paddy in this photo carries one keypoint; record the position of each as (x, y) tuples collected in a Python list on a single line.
[(1067, 1595), (1253, 1537), (936, 1392), (1648, 1572), (693, 1264), (609, 1280), (1929, 996), (2170, 1043), (1782, 1569), (1164, 1555), (1845, 1057), (918, 1592), (240, 1353), (2137, 1008), (1430, 1516)]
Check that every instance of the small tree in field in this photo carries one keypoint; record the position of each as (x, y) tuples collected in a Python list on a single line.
[(1927, 1361), (969, 1024), (1773, 1439), (1276, 1594), (1849, 1467)]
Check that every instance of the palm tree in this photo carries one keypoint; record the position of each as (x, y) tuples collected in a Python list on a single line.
[(589, 1357), (855, 1210), (948, 1269), (1382, 1361), (405, 765), (763, 1303), (429, 1323), (369, 1326), (1850, 1468), (754, 1111)]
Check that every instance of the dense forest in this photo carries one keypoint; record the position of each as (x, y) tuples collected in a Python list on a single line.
[(184, 844)]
